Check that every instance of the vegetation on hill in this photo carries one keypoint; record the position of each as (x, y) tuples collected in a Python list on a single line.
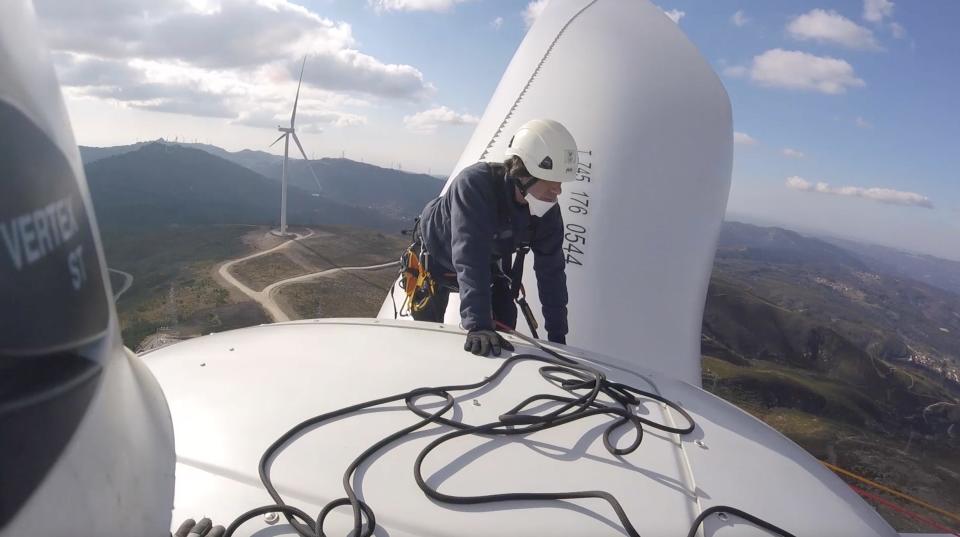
[(329, 247), (163, 184), (342, 294), (903, 321), (392, 194), (173, 283), (839, 355), (941, 273)]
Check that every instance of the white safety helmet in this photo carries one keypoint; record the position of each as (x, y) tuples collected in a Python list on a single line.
[(547, 149)]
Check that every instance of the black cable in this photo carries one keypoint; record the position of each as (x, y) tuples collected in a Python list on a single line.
[(736, 512), (584, 384), (285, 509)]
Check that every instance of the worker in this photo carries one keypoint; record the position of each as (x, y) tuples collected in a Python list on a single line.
[(491, 211)]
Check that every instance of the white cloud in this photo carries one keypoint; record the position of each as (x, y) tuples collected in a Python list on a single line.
[(799, 183), (413, 5), (215, 57), (739, 19), (862, 123), (428, 121), (164, 87), (735, 71), (497, 23), (674, 14), (533, 10), (877, 10), (313, 120), (351, 70), (309, 121), (882, 195), (831, 27), (136, 86), (242, 33), (802, 71), (76, 70), (898, 30), (792, 153), (742, 138)]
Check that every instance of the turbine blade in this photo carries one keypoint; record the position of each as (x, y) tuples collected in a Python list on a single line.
[(277, 140), (304, 153), (293, 117)]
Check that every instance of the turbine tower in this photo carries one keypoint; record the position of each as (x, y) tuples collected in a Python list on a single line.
[(289, 132)]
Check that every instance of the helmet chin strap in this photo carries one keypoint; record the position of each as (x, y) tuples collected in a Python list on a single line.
[(525, 187)]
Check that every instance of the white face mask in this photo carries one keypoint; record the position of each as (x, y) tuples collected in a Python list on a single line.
[(537, 206)]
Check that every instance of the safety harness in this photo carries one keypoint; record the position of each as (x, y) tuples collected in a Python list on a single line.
[(420, 286), (414, 275), (416, 280)]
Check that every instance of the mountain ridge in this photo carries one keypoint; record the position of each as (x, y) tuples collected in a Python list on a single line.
[(394, 193), (781, 297), (160, 184)]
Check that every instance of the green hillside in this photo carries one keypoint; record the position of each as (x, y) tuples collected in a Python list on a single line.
[(842, 355)]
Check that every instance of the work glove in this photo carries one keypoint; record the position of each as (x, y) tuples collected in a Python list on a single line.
[(189, 528), (483, 342)]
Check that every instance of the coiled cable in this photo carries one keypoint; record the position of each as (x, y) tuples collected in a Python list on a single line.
[(583, 383)]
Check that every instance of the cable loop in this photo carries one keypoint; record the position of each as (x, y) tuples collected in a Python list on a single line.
[(584, 385)]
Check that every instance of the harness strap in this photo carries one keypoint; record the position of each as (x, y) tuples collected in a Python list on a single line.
[(517, 291), (515, 273)]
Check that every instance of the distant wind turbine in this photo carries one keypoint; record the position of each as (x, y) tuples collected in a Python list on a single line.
[(287, 133)]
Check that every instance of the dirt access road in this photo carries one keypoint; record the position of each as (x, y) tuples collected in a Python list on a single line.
[(265, 297)]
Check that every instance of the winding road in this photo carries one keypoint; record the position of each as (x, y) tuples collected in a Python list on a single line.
[(127, 282), (265, 297)]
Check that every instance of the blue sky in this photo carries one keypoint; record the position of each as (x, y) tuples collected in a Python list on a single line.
[(898, 130), (846, 111)]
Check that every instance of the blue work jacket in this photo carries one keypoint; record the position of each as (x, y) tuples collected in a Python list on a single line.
[(477, 223)]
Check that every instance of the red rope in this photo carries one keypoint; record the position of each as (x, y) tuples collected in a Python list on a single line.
[(902, 511)]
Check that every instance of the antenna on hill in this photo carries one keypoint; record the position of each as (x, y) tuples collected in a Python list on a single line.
[(289, 132)]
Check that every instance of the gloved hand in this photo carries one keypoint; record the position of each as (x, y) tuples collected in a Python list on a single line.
[(189, 528), (557, 338), (483, 342)]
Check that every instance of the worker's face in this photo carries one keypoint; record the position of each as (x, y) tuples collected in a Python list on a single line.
[(546, 190)]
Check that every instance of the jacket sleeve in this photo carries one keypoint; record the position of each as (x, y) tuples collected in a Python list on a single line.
[(473, 212), (549, 264)]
